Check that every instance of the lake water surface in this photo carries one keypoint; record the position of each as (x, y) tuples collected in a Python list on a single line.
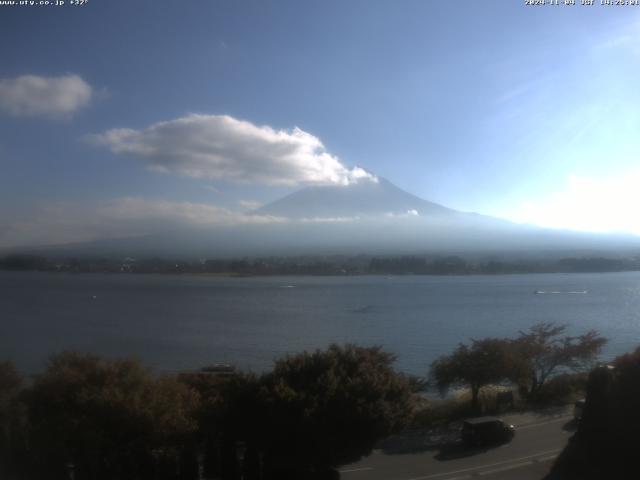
[(177, 322)]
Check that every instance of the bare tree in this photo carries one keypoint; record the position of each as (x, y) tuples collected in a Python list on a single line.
[(543, 350)]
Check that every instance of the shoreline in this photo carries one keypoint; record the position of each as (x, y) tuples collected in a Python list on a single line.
[(355, 274)]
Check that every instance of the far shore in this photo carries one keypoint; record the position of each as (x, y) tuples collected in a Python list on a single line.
[(328, 265)]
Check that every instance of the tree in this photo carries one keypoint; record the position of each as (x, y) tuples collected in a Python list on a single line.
[(543, 351), (231, 413), (329, 408), (13, 420), (110, 419), (606, 442), (484, 362)]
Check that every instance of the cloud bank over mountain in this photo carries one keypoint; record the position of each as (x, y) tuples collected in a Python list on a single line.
[(36, 96), (65, 222), (352, 219), (223, 147)]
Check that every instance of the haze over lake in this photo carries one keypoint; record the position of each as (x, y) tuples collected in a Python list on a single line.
[(179, 322)]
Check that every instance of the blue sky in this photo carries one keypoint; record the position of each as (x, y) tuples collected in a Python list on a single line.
[(119, 115)]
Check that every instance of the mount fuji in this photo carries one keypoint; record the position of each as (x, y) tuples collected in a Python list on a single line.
[(366, 198)]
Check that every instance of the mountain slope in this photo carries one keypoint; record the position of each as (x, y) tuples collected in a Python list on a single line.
[(363, 199)]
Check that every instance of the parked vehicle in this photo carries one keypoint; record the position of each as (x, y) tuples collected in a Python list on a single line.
[(486, 431)]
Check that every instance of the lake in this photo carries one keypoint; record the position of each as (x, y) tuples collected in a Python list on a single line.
[(178, 322)]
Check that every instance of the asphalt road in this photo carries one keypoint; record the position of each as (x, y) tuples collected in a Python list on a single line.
[(528, 456)]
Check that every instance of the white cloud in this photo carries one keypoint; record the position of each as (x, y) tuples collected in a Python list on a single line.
[(123, 217), (222, 147), (607, 205), (408, 214), (329, 219), (622, 38), (32, 95), (213, 189), (195, 214), (250, 204)]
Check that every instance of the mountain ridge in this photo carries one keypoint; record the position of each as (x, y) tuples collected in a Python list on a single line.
[(364, 198)]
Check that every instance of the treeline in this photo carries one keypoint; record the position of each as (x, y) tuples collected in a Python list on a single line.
[(333, 265), (527, 361), (454, 265), (88, 418)]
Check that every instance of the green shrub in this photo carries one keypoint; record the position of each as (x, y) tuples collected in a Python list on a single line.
[(329, 408), (561, 389)]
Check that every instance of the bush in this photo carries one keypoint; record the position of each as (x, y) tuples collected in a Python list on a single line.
[(430, 412), (561, 390)]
